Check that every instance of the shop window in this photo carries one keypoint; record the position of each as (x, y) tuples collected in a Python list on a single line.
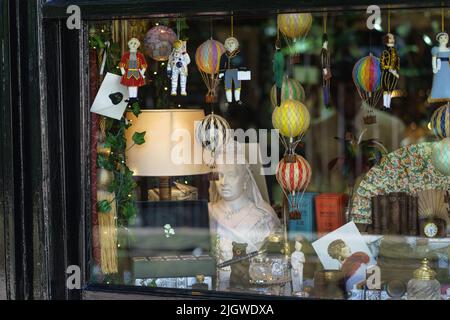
[(348, 203)]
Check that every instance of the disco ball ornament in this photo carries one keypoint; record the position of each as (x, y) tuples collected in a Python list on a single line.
[(158, 42), (440, 156)]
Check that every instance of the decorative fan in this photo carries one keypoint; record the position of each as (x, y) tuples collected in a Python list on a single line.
[(432, 203), (408, 169)]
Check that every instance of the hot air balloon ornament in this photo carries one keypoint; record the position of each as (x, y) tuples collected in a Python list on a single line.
[(440, 121), (207, 58), (290, 89), (292, 119), (440, 156), (213, 132), (293, 177), (367, 79), (158, 42), (294, 26)]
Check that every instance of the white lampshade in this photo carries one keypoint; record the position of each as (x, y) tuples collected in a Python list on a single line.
[(167, 151)]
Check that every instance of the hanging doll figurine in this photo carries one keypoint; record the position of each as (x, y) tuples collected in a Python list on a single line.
[(326, 70), (278, 70), (390, 65), (232, 67), (133, 66), (440, 91), (177, 67)]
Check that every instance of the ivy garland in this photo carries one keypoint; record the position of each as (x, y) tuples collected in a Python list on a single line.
[(123, 184)]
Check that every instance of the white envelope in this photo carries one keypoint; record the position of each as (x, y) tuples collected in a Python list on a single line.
[(103, 104), (244, 75)]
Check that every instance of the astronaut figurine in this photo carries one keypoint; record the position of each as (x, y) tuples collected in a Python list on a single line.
[(390, 65), (133, 66), (177, 67), (231, 64)]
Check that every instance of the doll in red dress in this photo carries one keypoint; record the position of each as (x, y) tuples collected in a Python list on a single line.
[(133, 66)]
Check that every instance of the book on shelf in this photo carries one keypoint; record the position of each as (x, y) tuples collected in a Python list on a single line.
[(302, 220), (330, 212)]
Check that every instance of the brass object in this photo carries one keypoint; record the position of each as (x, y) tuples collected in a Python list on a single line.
[(103, 149), (200, 278), (424, 272)]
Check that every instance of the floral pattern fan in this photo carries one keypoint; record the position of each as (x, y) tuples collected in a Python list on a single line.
[(408, 169)]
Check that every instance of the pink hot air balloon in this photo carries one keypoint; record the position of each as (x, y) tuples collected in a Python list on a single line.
[(207, 58), (158, 42)]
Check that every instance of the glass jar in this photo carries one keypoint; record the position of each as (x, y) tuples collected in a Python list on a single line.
[(424, 286)]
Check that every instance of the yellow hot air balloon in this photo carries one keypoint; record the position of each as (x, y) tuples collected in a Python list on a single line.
[(292, 119), (294, 26)]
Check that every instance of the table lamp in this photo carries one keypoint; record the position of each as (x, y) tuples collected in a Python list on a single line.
[(169, 138)]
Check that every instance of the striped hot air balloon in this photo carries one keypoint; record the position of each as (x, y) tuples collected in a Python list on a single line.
[(440, 122), (293, 176), (290, 89), (207, 58), (367, 79), (367, 74)]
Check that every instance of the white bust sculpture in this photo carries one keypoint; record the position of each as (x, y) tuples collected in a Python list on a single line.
[(238, 212), (297, 261)]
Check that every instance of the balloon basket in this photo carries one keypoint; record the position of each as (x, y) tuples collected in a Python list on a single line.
[(290, 158), (295, 59), (213, 176), (372, 119), (211, 98), (295, 214)]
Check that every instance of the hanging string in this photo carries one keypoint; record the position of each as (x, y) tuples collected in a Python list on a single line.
[(232, 24), (389, 18), (211, 27), (178, 28), (443, 18), (325, 22)]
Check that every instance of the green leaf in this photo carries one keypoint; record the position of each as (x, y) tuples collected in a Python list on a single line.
[(136, 109), (138, 137), (104, 206)]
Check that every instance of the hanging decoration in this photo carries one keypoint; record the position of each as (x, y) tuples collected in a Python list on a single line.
[(441, 156), (292, 119), (290, 89), (213, 132), (133, 66), (325, 64), (367, 79), (177, 67), (440, 91), (390, 66), (207, 58), (293, 177), (106, 206), (159, 42), (278, 72), (294, 26), (440, 121)]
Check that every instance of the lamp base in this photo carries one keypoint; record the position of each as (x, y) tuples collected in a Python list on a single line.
[(164, 189)]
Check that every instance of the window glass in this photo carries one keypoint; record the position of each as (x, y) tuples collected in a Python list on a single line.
[(193, 188)]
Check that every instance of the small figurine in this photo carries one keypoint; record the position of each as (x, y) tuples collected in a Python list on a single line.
[(326, 70), (278, 70), (232, 67), (390, 65), (440, 91), (240, 276), (133, 66), (297, 261), (200, 284), (177, 67)]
